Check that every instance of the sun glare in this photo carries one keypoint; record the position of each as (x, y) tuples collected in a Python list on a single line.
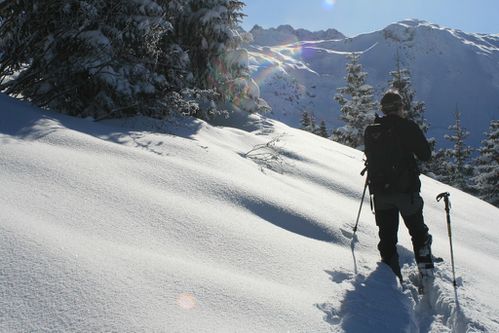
[(186, 301), (328, 4)]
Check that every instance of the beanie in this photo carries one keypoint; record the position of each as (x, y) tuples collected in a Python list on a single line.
[(391, 102)]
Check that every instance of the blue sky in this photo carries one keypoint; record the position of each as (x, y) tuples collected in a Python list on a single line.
[(352, 17)]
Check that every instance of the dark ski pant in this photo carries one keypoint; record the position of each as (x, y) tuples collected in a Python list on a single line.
[(387, 208)]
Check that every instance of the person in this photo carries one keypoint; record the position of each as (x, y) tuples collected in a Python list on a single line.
[(394, 182)]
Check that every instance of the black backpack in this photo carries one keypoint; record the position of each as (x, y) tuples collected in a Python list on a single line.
[(390, 168)]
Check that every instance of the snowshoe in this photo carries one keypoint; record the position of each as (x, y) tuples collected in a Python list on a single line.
[(424, 257), (425, 264)]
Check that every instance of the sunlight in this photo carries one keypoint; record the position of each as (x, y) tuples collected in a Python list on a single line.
[(266, 73), (293, 52), (328, 4), (275, 57), (186, 301)]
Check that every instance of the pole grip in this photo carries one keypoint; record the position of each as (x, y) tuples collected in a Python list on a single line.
[(444, 195)]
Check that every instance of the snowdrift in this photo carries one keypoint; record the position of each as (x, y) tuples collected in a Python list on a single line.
[(141, 226)]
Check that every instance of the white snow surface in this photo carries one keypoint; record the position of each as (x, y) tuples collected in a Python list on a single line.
[(141, 226)]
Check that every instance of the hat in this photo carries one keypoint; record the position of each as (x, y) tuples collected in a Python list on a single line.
[(391, 102)]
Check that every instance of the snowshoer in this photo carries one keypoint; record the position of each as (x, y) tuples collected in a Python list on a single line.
[(391, 145)]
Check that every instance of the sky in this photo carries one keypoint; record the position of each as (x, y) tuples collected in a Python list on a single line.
[(353, 17)]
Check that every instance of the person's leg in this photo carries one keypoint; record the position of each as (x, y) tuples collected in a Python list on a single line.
[(387, 222), (411, 208)]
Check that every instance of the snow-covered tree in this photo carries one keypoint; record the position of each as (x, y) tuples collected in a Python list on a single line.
[(307, 121), (356, 105), (487, 166), (119, 58), (308, 124), (459, 170), (92, 58), (439, 166), (322, 130), (208, 30), (414, 110)]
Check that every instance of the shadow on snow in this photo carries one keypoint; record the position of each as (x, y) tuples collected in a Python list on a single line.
[(375, 304)]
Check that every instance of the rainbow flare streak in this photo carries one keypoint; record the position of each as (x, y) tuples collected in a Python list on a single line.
[(289, 51)]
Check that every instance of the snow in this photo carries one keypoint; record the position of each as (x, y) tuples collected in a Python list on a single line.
[(143, 226), (449, 68)]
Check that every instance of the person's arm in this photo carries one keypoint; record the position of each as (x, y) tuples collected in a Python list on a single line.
[(418, 143)]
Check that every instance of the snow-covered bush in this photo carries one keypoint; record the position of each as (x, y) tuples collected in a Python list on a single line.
[(268, 155)]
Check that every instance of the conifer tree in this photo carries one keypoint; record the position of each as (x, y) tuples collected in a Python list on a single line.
[(414, 110), (91, 58), (487, 166), (306, 123), (439, 166), (459, 169), (322, 130), (356, 105), (120, 58), (208, 31)]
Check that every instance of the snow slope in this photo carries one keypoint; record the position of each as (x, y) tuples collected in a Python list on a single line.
[(450, 69), (140, 226)]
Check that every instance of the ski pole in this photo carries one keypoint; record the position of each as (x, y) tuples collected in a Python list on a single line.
[(445, 196), (361, 202)]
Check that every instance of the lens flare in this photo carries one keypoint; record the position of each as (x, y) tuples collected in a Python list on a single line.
[(328, 4), (272, 58), (186, 301)]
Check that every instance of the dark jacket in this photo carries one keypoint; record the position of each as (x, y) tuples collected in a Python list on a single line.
[(407, 143), (411, 137)]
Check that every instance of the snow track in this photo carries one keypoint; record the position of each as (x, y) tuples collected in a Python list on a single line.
[(439, 309), (376, 302)]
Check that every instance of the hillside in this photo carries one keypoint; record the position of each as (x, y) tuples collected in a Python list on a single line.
[(144, 226), (450, 69)]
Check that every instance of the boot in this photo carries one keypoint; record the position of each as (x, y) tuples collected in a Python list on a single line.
[(424, 258), (394, 264)]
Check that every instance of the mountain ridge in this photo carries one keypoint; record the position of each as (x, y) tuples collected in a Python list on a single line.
[(286, 33)]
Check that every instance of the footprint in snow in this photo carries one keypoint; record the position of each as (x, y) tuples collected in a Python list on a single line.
[(340, 276)]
